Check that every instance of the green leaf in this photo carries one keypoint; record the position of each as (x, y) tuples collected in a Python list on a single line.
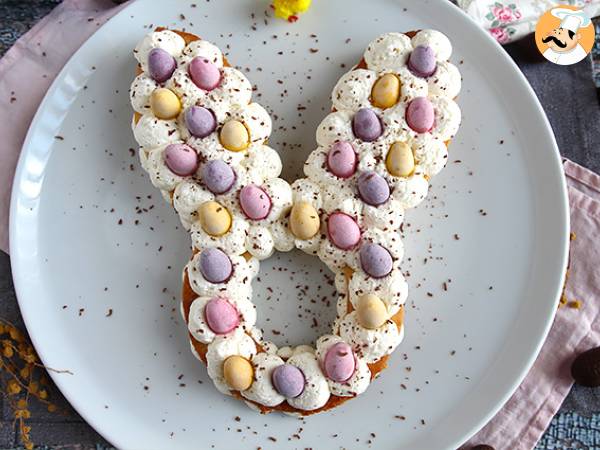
[(489, 16), (512, 6), (495, 23), (498, 5)]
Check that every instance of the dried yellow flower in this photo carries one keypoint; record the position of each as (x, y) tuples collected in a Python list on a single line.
[(13, 387), (33, 387), (15, 334), (29, 358), (8, 351), (25, 372), (22, 414)]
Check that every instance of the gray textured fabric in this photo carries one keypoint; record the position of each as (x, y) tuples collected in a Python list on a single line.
[(570, 99)]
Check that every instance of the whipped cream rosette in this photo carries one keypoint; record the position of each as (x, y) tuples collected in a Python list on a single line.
[(203, 142)]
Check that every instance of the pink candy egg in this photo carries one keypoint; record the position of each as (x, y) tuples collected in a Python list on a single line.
[(221, 316), (255, 202), (204, 74), (420, 115), (339, 362), (343, 230), (341, 159), (181, 159)]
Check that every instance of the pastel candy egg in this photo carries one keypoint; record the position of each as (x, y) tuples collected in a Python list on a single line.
[(221, 316), (386, 91), (420, 115), (288, 380), (165, 104), (181, 159), (234, 136), (339, 362), (371, 312), (366, 125), (375, 260), (200, 121), (238, 373), (214, 218), (215, 266), (421, 61), (218, 176), (343, 230), (373, 188), (204, 74), (161, 65), (304, 220), (400, 161), (341, 159), (255, 203)]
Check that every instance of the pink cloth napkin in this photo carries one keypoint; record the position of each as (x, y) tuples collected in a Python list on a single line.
[(525, 417), (29, 67)]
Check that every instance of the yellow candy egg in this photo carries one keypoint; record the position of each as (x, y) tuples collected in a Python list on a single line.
[(400, 161), (234, 136), (371, 311), (238, 373), (165, 104), (386, 91), (304, 220), (214, 218)]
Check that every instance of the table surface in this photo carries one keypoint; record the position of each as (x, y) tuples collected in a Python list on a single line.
[(575, 120)]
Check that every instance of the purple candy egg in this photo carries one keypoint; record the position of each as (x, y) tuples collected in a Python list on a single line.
[(215, 266), (200, 121), (218, 176), (339, 362), (288, 380), (422, 61), (255, 202), (373, 188), (181, 159), (343, 230), (161, 65), (341, 159), (221, 316), (375, 260), (366, 125), (420, 115), (204, 74)]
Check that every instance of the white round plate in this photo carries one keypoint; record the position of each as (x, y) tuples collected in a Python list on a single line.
[(486, 253)]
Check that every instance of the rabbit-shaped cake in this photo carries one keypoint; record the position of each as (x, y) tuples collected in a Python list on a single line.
[(203, 142)]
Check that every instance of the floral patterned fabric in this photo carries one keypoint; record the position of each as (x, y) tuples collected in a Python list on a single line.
[(510, 20)]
